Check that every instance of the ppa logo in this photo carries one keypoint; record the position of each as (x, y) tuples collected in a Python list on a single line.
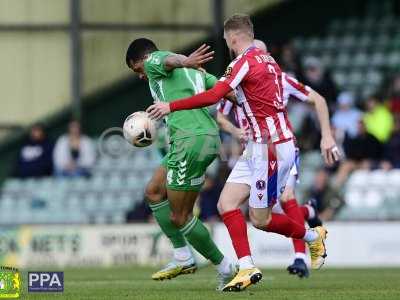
[(45, 281)]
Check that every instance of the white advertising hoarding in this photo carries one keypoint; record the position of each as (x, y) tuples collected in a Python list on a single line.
[(349, 244)]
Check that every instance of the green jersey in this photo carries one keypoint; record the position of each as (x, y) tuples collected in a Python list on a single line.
[(167, 86)]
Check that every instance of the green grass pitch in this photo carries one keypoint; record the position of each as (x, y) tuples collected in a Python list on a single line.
[(135, 283)]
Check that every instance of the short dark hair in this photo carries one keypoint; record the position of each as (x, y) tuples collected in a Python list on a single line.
[(138, 49), (240, 22)]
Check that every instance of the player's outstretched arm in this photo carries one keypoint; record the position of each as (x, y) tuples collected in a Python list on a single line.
[(194, 60), (329, 149), (207, 98)]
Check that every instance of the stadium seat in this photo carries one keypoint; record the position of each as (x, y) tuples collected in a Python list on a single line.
[(360, 60), (373, 77), (340, 78), (348, 42), (393, 60), (355, 78), (377, 59), (365, 42), (343, 60)]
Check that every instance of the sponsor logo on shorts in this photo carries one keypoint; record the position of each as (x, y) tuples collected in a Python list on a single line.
[(181, 172), (260, 196), (197, 181), (260, 184), (272, 165)]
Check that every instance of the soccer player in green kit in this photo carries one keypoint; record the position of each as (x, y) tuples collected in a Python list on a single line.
[(194, 144)]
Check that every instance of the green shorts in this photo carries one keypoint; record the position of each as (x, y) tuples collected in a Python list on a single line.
[(187, 161)]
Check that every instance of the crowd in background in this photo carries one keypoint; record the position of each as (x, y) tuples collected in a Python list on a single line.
[(72, 155)]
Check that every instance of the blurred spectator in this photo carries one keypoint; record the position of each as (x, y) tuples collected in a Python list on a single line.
[(74, 153), (208, 200), (326, 198), (141, 212), (394, 95), (317, 78), (392, 148), (363, 151), (290, 60), (309, 136), (35, 157), (378, 119), (346, 116)]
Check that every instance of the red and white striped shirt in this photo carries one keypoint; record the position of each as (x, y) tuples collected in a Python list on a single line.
[(257, 81), (291, 87)]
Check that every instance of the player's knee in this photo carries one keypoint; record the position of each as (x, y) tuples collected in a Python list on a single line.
[(260, 222), (179, 220), (224, 206), (153, 194)]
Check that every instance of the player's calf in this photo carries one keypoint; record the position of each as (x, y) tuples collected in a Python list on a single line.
[(179, 219)]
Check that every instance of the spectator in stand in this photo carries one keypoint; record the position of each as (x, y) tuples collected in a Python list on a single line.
[(320, 80), (378, 120), (346, 117), (74, 153), (290, 60), (391, 157), (394, 95), (35, 156), (324, 196), (363, 151)]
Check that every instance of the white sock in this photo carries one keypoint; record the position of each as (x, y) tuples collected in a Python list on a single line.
[(224, 266), (300, 255), (310, 236), (311, 212), (183, 255), (246, 262)]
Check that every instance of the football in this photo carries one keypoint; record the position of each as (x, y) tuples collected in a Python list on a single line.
[(139, 129)]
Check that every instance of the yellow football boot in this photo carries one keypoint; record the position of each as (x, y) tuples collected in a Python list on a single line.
[(172, 270), (243, 279), (318, 249)]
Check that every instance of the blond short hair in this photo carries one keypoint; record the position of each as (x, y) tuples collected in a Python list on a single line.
[(240, 22)]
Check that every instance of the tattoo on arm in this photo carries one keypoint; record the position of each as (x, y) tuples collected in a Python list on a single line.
[(174, 61)]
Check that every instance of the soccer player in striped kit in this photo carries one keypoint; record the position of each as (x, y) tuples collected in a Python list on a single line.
[(287, 202), (263, 170)]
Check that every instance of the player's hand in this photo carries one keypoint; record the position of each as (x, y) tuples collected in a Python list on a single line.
[(158, 110), (240, 134), (199, 57), (329, 150)]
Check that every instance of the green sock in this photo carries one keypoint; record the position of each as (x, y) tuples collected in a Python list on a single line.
[(161, 212), (199, 237)]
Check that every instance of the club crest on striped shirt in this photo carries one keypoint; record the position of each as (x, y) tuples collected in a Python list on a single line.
[(228, 72)]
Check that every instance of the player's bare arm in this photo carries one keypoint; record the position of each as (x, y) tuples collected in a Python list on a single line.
[(227, 126), (197, 58), (329, 150)]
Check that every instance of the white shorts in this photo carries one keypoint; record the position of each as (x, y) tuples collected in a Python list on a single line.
[(265, 168), (294, 171)]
